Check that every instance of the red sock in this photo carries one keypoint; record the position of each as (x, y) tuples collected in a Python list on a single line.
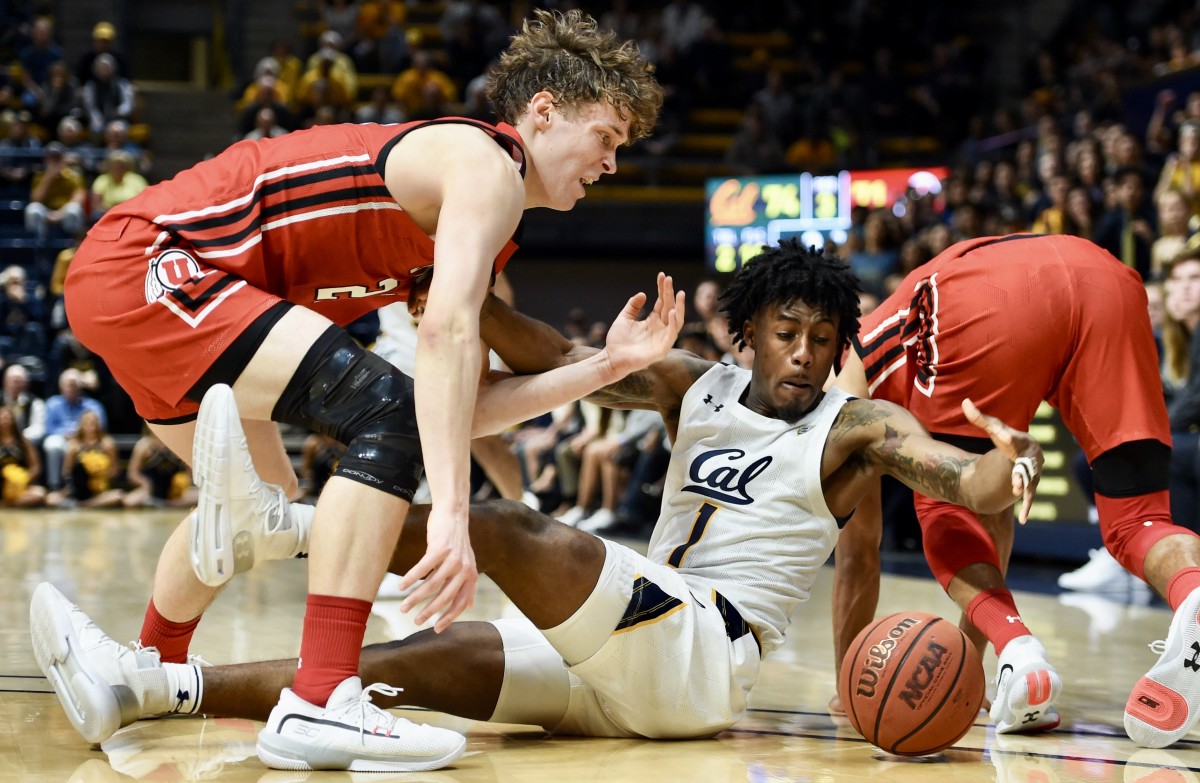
[(170, 638), (1181, 586), (330, 648), (995, 613)]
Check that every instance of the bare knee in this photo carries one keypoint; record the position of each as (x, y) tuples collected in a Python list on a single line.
[(508, 532)]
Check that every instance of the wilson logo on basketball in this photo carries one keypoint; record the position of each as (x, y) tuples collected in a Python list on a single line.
[(877, 657), (923, 676)]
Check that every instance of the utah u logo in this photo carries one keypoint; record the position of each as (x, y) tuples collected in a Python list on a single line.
[(168, 271), (723, 481), (329, 293)]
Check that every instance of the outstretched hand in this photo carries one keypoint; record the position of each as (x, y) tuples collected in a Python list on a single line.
[(1020, 447), (632, 343)]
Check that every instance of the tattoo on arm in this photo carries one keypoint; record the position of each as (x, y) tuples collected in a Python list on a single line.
[(938, 475), (854, 416), (635, 387)]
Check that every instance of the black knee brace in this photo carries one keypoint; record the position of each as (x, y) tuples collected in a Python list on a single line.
[(359, 399), (1138, 467)]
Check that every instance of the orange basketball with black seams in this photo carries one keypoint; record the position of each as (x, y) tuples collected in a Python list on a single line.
[(911, 683)]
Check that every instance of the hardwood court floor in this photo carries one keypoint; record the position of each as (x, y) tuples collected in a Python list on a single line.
[(105, 561)]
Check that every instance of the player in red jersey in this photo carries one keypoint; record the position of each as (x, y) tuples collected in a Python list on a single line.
[(242, 270), (1010, 322)]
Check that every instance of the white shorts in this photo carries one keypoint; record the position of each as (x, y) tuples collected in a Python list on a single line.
[(677, 665)]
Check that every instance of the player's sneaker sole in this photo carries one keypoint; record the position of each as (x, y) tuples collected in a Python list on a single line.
[(86, 697), (215, 548), (1163, 705)]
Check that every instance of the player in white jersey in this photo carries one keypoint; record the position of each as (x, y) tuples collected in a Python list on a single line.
[(764, 469)]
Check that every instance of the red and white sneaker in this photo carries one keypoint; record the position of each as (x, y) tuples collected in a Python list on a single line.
[(1027, 686), (1165, 703)]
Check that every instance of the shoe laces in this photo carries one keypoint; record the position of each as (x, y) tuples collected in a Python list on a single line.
[(368, 710), (195, 659), (1158, 646)]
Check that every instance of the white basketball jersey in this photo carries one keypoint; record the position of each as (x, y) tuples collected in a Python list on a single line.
[(743, 510)]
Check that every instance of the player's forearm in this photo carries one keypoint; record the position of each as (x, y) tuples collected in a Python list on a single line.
[(519, 398), (445, 382), (986, 486)]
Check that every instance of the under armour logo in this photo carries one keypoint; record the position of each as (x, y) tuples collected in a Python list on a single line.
[(181, 697), (1030, 717), (1013, 618), (708, 400), (1194, 663)]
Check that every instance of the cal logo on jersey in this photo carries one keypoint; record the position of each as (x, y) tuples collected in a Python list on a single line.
[(168, 271), (725, 474)]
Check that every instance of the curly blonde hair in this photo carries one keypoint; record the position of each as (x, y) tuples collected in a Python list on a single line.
[(572, 58)]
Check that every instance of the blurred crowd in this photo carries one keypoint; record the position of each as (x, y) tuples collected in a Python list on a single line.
[(1065, 154)]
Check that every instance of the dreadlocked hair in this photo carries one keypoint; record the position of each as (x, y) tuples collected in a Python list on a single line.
[(788, 273)]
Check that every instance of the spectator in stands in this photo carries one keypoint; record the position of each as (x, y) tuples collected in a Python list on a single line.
[(606, 463), (29, 409), (20, 466), (116, 137), (683, 23), (340, 17), (63, 412), (57, 98), (1052, 219), (285, 66), (265, 126), (331, 45), (1173, 216), (466, 54), (777, 102), (1181, 347), (90, 466), (322, 86), (1081, 213), (754, 148), (422, 91), (266, 81), (381, 45), (104, 36), (37, 57), (1181, 171), (485, 22), (264, 94), (878, 257), (74, 140), (379, 109), (157, 478), (117, 184), (107, 96), (57, 197), (21, 331), (1129, 229), (19, 153)]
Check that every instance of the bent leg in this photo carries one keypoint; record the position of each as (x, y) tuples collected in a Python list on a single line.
[(546, 568)]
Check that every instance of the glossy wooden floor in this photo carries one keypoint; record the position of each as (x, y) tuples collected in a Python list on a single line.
[(105, 561)]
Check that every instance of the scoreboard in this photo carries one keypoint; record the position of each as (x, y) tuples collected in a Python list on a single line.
[(744, 214)]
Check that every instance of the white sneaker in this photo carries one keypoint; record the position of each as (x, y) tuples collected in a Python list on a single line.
[(239, 519), (1026, 688), (573, 516), (531, 500), (1165, 703), (351, 733), (103, 685), (600, 519), (1099, 574), (389, 588)]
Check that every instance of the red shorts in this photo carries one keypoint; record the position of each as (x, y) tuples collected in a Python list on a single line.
[(1008, 330), (158, 318)]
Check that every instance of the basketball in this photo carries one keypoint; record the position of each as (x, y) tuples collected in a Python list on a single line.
[(911, 683)]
